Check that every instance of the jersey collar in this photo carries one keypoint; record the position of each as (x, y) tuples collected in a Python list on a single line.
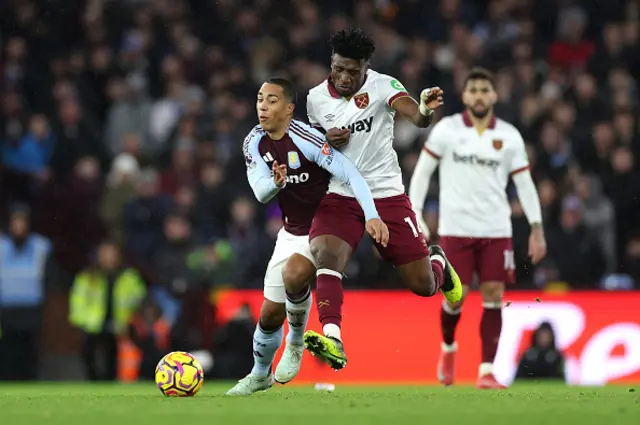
[(467, 120), (334, 93)]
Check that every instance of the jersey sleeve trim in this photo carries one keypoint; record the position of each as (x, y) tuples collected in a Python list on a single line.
[(519, 170), (430, 152), (305, 134), (397, 96)]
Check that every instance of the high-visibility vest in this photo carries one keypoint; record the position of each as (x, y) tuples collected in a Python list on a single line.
[(88, 298)]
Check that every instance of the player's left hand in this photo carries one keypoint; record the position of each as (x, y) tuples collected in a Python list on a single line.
[(378, 231), (432, 98), (537, 246)]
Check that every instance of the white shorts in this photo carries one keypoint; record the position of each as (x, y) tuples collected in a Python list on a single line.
[(286, 245)]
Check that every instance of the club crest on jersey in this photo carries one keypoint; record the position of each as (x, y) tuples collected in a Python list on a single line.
[(326, 149), (294, 160), (497, 144), (361, 100)]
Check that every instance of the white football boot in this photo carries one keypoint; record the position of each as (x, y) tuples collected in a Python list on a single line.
[(289, 364), (251, 384)]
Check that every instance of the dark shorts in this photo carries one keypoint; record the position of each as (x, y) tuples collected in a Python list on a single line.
[(342, 217), (491, 258)]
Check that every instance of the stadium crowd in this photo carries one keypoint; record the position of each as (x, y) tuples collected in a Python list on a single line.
[(121, 125)]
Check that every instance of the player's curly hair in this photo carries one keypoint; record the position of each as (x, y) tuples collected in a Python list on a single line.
[(352, 43)]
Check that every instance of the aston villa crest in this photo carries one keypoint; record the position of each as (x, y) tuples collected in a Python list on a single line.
[(361, 100), (497, 144), (294, 160)]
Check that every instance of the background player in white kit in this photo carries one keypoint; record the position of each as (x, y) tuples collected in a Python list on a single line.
[(364, 103), (477, 154)]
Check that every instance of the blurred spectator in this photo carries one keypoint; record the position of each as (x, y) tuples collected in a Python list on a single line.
[(213, 199), (102, 301), (129, 115), (120, 189), (79, 228), (631, 262), (182, 171), (542, 360), (33, 152), (250, 241), (212, 265), (144, 217), (78, 137), (623, 187), (26, 272), (599, 216), (575, 251), (571, 50), (150, 333), (170, 257), (232, 348)]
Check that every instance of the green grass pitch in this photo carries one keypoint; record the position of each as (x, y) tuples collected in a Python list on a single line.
[(537, 404)]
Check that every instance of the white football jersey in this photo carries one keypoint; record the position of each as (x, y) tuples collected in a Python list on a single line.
[(474, 173), (369, 116)]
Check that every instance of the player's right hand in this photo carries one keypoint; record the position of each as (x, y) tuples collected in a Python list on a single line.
[(338, 137), (423, 225), (378, 231), (279, 173)]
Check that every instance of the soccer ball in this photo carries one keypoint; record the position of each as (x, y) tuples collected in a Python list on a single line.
[(179, 374)]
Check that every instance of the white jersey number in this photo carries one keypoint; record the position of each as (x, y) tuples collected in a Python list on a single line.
[(413, 226)]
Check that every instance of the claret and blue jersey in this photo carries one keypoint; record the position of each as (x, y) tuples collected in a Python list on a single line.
[(310, 163)]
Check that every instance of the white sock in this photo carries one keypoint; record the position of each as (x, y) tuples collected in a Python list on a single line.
[(298, 316), (449, 348), (265, 345), (485, 369), (332, 331)]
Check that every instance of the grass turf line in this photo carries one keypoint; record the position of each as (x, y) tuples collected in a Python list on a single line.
[(531, 404)]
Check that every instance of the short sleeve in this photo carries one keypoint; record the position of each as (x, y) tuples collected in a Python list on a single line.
[(519, 157), (438, 140), (391, 89), (313, 120)]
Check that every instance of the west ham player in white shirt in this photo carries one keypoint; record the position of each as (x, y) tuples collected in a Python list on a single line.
[(289, 161), (477, 154), (363, 103)]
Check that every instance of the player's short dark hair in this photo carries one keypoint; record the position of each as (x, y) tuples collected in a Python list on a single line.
[(287, 86), (479, 73), (352, 43)]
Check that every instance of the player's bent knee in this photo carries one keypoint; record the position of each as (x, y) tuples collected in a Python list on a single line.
[(272, 315), (424, 285), (330, 252), (297, 272), (418, 278)]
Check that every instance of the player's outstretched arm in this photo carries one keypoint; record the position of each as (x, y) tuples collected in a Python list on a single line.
[(343, 169), (420, 114), (419, 187), (260, 177)]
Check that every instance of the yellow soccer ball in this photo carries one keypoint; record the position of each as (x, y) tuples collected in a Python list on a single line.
[(179, 374)]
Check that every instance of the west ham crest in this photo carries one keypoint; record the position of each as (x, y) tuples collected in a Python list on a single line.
[(361, 100), (497, 144)]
